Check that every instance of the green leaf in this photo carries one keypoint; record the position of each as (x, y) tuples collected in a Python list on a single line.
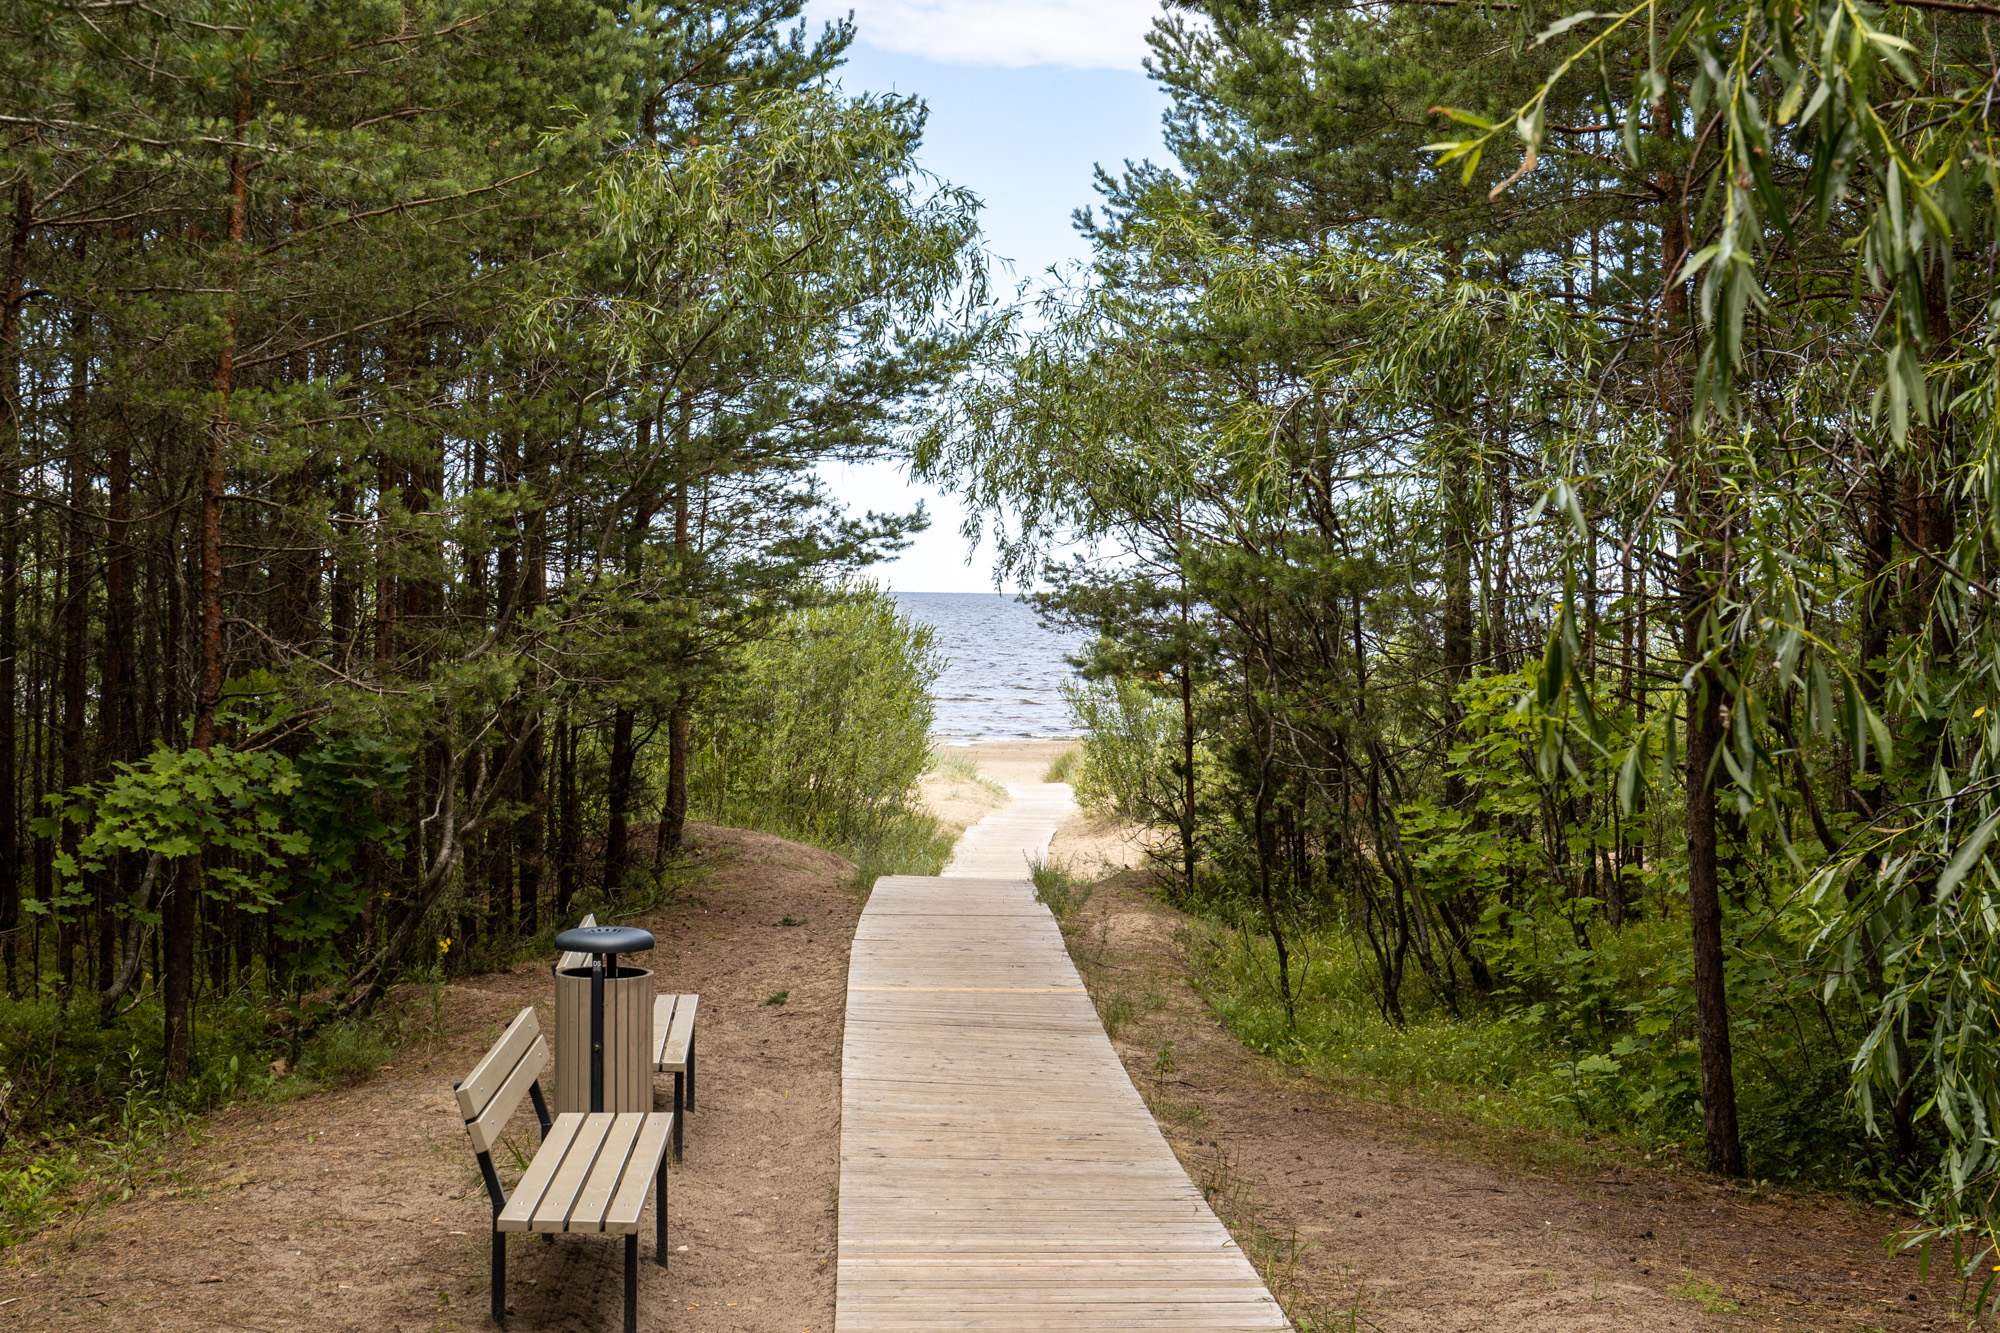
[(1880, 731), (1631, 774), (1464, 117), (1968, 856), (1563, 25)]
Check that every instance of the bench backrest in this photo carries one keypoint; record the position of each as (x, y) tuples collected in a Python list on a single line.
[(569, 960), (497, 1083)]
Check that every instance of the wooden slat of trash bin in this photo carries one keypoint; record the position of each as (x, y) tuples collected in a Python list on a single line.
[(628, 1077)]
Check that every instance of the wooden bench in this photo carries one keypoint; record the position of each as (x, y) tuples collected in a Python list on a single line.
[(592, 1172), (673, 1042), (673, 1052)]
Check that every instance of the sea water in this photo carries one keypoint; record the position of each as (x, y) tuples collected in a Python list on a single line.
[(1004, 669)]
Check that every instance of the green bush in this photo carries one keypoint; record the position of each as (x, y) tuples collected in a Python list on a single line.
[(344, 1054), (1578, 1041), (822, 731), (1124, 763), (86, 1115)]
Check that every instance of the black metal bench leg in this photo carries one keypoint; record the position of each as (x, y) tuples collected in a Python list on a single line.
[(690, 1105), (500, 1278), (680, 1111), (632, 1282), (660, 1214)]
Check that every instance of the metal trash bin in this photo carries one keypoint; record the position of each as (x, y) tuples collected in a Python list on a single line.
[(622, 1050)]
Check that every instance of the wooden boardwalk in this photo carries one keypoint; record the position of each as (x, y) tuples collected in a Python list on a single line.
[(997, 1168)]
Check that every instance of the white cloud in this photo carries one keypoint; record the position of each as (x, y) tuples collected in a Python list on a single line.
[(1076, 34)]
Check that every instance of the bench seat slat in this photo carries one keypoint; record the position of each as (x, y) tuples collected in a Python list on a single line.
[(552, 1214), (674, 1050), (595, 1197), (622, 1218), (488, 1076), (485, 1131), (520, 1209), (663, 1022)]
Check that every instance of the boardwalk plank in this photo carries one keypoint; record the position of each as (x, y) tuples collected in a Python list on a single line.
[(998, 1169)]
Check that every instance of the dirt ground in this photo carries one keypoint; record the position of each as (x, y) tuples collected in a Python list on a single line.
[(1366, 1216), (362, 1208)]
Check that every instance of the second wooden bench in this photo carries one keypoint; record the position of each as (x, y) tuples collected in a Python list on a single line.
[(673, 1042)]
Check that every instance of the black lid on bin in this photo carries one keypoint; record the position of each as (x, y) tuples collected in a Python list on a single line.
[(604, 939)]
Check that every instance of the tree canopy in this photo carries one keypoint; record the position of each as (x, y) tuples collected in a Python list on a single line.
[(1538, 469), (405, 411)]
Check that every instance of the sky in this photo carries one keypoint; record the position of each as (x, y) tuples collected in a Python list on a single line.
[(1026, 98)]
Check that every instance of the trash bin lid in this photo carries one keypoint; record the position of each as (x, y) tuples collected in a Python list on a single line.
[(604, 939)]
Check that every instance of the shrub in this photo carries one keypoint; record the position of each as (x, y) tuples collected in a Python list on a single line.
[(822, 731), (1123, 763)]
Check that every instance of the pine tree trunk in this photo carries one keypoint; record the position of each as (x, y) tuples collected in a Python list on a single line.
[(1694, 487), (10, 577), (624, 754), (673, 808), (566, 843), (618, 795), (182, 922), (1718, 1078), (76, 620)]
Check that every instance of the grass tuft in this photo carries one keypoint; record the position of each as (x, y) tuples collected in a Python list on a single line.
[(962, 767), (1062, 768), (1063, 893), (1702, 1292)]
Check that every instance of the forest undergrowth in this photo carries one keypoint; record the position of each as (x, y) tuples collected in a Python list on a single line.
[(1587, 1063), (99, 1122), (94, 1117)]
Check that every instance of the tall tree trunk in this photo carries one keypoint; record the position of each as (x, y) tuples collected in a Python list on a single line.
[(1718, 1078), (624, 758), (566, 840), (10, 575), (183, 917), (117, 713), (673, 809), (618, 794), (342, 596), (1260, 811), (534, 827), (76, 619), (1698, 508), (1187, 810), (1458, 623), (674, 805)]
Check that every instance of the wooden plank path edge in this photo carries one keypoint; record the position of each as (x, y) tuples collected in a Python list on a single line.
[(998, 1170)]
